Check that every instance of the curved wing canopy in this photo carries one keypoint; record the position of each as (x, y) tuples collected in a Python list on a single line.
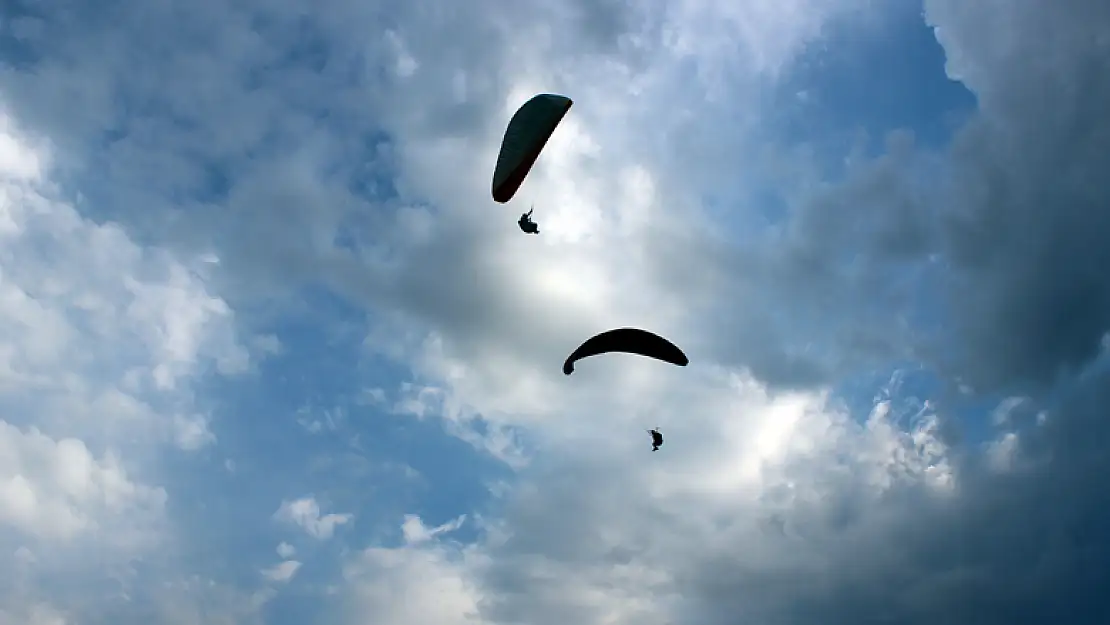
[(628, 340), (528, 131)]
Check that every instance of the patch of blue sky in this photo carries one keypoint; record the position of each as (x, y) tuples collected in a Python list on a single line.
[(293, 606), (907, 383), (373, 169), (876, 80), (864, 83), (302, 51), (307, 424), (18, 33), (907, 386)]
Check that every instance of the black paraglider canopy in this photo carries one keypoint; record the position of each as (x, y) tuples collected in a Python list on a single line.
[(631, 341)]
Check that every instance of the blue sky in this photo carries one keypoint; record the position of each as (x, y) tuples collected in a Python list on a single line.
[(270, 354)]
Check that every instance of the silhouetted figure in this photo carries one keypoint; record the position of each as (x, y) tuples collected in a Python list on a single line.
[(656, 439), (526, 224)]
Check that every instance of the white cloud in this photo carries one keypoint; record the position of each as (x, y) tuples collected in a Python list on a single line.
[(415, 532), (1001, 452), (285, 550), (191, 432), (282, 572), (38, 614), (305, 513), (426, 583), (100, 330), (197, 600), (101, 339), (57, 490)]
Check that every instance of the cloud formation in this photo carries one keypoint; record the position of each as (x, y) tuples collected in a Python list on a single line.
[(305, 513), (218, 220), (102, 339)]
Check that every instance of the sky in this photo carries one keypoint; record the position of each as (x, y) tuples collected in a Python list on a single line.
[(270, 353)]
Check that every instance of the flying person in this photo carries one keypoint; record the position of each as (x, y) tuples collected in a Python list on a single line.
[(656, 439), (526, 224)]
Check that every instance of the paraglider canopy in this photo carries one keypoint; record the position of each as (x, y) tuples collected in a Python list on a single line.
[(525, 137), (628, 340)]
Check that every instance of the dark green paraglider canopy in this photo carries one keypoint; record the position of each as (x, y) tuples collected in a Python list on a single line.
[(525, 137), (631, 341)]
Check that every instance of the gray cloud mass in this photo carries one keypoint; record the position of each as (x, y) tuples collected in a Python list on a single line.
[(348, 145)]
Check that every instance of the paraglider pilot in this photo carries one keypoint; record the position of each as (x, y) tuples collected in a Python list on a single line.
[(656, 439), (526, 224)]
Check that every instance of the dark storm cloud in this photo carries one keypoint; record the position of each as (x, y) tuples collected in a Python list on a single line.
[(1010, 224), (1022, 547)]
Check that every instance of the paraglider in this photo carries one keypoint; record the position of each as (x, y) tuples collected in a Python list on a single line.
[(628, 340), (525, 137), (526, 224)]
